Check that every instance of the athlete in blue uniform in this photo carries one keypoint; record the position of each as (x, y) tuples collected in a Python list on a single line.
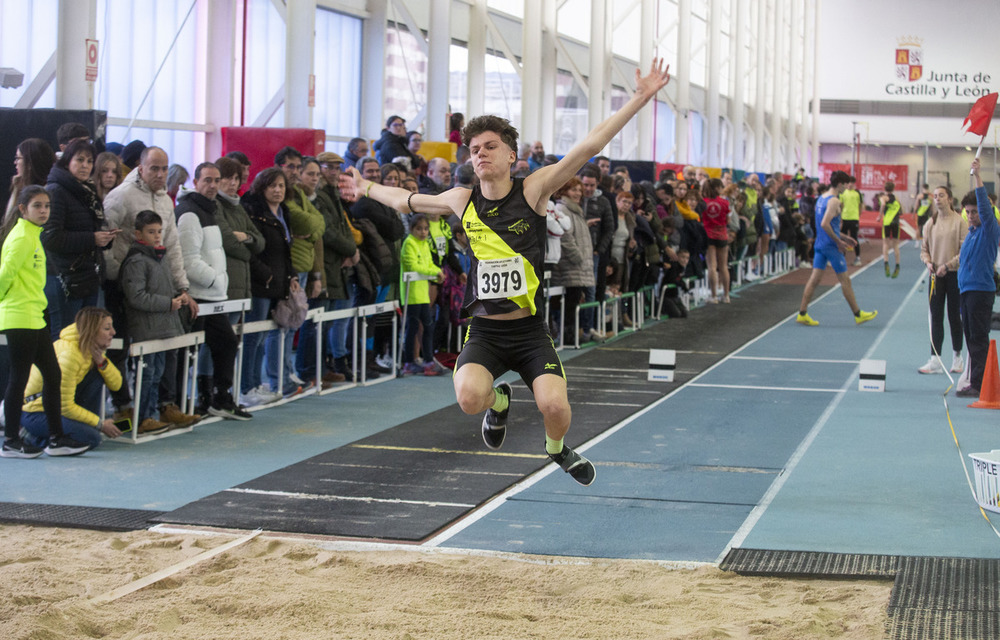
[(829, 249), (505, 223)]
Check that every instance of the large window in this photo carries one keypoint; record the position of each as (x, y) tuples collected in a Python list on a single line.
[(405, 74), (503, 89), (625, 145), (265, 64), (136, 40), (458, 80), (664, 137), (337, 68), (27, 41), (571, 123)]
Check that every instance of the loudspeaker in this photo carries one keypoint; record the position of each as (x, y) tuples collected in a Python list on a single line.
[(19, 124)]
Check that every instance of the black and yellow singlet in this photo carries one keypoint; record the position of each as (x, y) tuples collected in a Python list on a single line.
[(891, 211), (507, 239)]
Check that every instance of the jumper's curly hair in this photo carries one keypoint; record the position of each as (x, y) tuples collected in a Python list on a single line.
[(500, 126)]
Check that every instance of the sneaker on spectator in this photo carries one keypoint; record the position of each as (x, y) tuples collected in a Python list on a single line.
[(152, 426), (957, 364), (65, 446), (933, 366), (18, 448), (430, 369), (225, 408), (440, 368), (411, 369), (333, 377), (857, 261), (266, 395), (172, 413), (751, 276), (384, 361), (250, 398), (291, 390), (296, 379)]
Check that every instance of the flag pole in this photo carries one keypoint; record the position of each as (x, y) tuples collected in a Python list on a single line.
[(979, 150)]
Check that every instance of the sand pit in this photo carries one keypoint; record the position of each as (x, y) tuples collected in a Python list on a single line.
[(271, 589)]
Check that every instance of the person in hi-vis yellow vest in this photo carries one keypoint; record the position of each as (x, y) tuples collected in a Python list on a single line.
[(889, 212), (850, 217)]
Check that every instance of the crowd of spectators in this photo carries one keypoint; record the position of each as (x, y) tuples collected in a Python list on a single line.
[(129, 237)]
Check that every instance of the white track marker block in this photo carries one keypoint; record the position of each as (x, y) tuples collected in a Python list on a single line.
[(661, 365), (871, 375)]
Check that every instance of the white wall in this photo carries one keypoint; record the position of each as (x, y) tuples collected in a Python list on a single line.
[(857, 53)]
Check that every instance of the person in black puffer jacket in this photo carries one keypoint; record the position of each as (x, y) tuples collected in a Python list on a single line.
[(271, 275), (74, 237), (393, 144)]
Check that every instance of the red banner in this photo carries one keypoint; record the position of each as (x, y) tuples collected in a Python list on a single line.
[(871, 177)]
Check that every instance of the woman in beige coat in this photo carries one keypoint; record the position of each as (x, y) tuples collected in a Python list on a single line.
[(942, 242)]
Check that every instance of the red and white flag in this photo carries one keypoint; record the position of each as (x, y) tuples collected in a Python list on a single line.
[(981, 114)]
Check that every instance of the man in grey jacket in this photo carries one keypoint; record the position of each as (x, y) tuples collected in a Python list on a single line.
[(145, 188)]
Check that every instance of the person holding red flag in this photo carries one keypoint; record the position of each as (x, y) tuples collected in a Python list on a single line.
[(979, 118), (975, 280)]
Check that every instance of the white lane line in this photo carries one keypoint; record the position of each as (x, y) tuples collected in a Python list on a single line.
[(590, 404), (329, 498), (762, 388), (601, 369), (778, 359), (628, 391), (793, 461)]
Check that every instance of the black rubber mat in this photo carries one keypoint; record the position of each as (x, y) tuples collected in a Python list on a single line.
[(932, 598), (953, 598), (408, 482), (55, 515), (767, 562)]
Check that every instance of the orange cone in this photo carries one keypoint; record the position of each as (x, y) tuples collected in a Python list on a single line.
[(989, 393)]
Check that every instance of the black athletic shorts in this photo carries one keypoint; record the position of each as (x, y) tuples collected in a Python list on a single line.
[(522, 345), (891, 230), (922, 220), (718, 244)]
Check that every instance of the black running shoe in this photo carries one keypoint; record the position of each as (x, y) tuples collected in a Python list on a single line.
[(495, 422), (575, 465), (65, 446), (18, 448), (229, 410)]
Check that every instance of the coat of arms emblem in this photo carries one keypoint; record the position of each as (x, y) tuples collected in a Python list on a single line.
[(909, 58)]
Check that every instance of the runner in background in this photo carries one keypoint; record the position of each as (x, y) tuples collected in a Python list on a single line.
[(889, 209), (850, 217)]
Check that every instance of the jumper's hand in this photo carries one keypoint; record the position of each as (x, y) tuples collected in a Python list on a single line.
[(356, 181), (659, 75)]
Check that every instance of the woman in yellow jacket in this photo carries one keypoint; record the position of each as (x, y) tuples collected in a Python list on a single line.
[(85, 369), (416, 256), (24, 324)]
